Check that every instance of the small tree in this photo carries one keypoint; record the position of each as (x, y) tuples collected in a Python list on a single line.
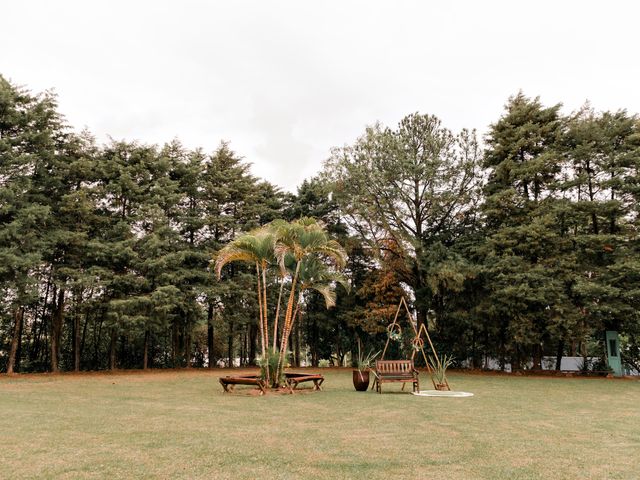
[(303, 253)]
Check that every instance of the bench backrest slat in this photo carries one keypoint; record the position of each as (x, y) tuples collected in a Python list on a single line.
[(394, 366)]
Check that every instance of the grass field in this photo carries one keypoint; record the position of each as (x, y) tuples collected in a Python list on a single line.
[(178, 424)]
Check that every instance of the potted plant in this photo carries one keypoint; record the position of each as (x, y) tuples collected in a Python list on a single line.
[(439, 368), (361, 372)]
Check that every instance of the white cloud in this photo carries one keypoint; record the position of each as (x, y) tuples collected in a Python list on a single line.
[(286, 81)]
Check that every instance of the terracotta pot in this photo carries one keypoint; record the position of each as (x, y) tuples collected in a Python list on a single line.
[(361, 380), (441, 386)]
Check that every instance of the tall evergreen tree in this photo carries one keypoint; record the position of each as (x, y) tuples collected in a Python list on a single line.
[(30, 131)]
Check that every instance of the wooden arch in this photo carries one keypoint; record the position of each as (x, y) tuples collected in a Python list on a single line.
[(417, 342)]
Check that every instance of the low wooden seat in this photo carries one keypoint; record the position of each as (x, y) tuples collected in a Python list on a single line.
[(293, 379), (229, 382), (395, 371)]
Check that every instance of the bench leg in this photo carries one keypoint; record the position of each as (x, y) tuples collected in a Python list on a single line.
[(291, 385), (317, 384)]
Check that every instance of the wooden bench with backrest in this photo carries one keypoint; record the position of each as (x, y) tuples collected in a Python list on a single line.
[(395, 371)]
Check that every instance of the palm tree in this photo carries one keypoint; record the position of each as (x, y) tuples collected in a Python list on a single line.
[(256, 247), (297, 241), (303, 251)]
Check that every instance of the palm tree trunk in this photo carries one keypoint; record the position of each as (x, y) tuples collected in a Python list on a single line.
[(260, 310), (262, 323), (287, 320), (287, 332), (275, 324), (264, 306)]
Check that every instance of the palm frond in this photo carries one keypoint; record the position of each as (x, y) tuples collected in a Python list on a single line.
[(231, 253), (328, 293)]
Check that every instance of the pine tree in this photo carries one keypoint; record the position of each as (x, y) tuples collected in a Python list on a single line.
[(415, 186), (526, 255), (29, 131)]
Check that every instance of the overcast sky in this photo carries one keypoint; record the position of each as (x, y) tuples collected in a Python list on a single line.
[(286, 81)]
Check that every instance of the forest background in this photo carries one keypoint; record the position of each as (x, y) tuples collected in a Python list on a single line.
[(513, 246)]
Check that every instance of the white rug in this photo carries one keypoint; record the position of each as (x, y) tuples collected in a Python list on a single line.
[(442, 393)]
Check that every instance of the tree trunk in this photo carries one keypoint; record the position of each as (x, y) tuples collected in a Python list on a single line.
[(296, 351), (151, 350), (247, 361), (559, 353), (174, 342), (97, 337), (230, 346), (314, 343), (421, 316), (287, 322), (15, 340), (210, 336), (56, 331), (473, 349), (261, 311), (145, 355), (253, 338), (502, 348), (277, 316), (515, 359), (187, 345), (34, 352), (35, 348), (84, 333), (285, 337), (537, 357), (76, 342), (123, 352), (265, 317), (19, 350), (112, 349)]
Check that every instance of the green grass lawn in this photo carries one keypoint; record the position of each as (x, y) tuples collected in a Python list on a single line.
[(178, 424)]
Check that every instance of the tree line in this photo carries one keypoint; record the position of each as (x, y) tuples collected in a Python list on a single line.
[(513, 247)]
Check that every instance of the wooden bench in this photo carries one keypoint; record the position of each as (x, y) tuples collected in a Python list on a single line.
[(229, 382), (293, 379), (395, 371)]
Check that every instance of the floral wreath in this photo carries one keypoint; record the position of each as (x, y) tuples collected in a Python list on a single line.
[(417, 343), (394, 332)]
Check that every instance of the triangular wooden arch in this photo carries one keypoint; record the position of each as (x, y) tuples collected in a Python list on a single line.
[(418, 342)]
